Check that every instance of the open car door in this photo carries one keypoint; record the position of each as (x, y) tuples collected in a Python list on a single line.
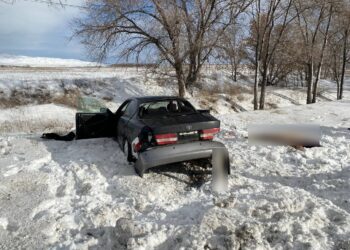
[(95, 125)]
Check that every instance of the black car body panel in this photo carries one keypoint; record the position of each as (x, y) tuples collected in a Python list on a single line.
[(128, 124), (181, 123), (157, 116), (95, 125)]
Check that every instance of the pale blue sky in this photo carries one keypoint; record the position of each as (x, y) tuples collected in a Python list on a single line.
[(35, 29)]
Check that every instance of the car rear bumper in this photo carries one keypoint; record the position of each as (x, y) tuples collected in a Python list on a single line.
[(179, 153)]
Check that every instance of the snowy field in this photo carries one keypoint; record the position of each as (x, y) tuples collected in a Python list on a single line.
[(25, 61), (83, 194), (42, 85)]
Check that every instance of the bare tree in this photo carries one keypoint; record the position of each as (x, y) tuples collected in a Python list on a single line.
[(231, 48), (324, 44), (270, 20), (257, 49), (181, 34), (344, 12), (311, 18)]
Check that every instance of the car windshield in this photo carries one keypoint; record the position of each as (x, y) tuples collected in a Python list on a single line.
[(170, 107)]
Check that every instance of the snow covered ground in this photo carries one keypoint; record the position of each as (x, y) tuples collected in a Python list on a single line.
[(38, 85), (26, 61), (83, 194), (70, 194)]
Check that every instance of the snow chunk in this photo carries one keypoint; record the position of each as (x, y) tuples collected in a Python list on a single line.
[(4, 223)]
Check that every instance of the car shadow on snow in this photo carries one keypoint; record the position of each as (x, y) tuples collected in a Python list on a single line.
[(193, 174)]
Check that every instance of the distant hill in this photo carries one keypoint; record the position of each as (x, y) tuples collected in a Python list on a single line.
[(26, 61)]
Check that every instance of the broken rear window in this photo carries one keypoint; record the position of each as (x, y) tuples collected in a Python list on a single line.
[(165, 107)]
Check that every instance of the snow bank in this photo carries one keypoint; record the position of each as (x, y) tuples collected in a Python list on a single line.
[(83, 194), (37, 119), (112, 85), (27, 85)]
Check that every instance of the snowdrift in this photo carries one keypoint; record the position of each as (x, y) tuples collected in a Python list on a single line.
[(83, 194)]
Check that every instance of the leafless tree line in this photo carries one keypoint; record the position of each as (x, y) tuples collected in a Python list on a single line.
[(297, 37), (277, 39), (180, 33)]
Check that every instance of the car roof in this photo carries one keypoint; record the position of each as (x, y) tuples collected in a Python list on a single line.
[(154, 98)]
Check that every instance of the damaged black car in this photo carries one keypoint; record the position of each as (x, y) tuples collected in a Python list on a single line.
[(155, 131)]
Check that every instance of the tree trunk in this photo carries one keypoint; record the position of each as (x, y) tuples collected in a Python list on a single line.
[(336, 74), (264, 83), (263, 90), (182, 87), (318, 76), (301, 79), (180, 80), (319, 67), (235, 74), (192, 75), (256, 84), (232, 67), (310, 81), (193, 69), (345, 45), (257, 57), (191, 79)]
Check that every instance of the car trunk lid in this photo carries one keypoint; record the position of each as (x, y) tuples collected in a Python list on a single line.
[(188, 127)]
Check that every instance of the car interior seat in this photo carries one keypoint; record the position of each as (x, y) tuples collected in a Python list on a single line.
[(142, 111), (162, 110), (172, 107)]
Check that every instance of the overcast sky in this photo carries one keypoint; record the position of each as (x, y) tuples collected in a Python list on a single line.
[(34, 29)]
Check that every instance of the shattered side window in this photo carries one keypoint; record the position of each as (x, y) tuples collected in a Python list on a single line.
[(124, 108), (89, 105), (165, 107), (131, 109)]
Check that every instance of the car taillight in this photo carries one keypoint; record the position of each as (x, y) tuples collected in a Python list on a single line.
[(165, 139), (144, 140), (137, 146), (208, 134)]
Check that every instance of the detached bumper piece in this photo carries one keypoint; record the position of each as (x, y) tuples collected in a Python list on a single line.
[(184, 152)]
